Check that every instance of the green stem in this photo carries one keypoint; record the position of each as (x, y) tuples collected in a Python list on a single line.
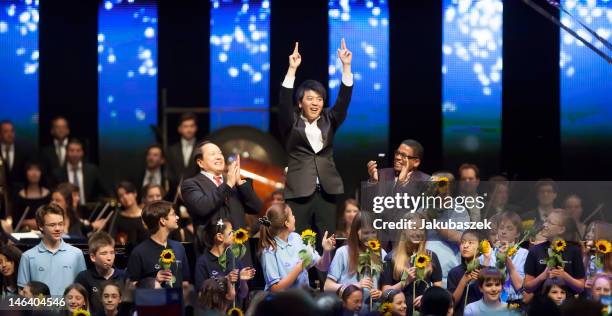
[(467, 291)]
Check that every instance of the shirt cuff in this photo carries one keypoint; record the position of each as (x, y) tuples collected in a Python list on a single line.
[(289, 81), (347, 79)]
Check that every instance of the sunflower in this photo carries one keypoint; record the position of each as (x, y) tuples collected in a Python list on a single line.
[(559, 245), (421, 261), (308, 233), (442, 184), (241, 236), (167, 256), (80, 312), (512, 251), (374, 244), (235, 312), (603, 246), (386, 308), (485, 247)]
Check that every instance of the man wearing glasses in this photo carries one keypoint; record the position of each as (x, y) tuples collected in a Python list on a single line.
[(53, 261), (404, 178)]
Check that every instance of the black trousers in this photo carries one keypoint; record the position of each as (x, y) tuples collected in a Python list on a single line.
[(317, 212)]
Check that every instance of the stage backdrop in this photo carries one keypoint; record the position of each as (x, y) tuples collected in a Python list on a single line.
[(19, 67), (127, 95)]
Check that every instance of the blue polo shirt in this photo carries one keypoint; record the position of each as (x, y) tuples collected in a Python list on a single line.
[(277, 264), (56, 270)]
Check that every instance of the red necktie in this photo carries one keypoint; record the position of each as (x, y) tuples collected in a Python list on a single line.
[(218, 180)]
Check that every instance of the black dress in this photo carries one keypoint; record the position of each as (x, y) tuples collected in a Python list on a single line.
[(21, 203), (131, 229)]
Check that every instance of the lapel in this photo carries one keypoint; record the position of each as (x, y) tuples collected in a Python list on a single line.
[(301, 129)]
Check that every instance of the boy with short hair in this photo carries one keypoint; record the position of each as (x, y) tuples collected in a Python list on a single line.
[(490, 281), (102, 254), (160, 219), (52, 261)]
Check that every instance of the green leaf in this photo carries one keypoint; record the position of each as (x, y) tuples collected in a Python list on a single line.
[(404, 277), (306, 257), (420, 274), (223, 260)]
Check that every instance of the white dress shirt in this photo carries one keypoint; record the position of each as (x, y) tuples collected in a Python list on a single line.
[(60, 150), (155, 175), (313, 134), (11, 155), (79, 174), (211, 176), (187, 147)]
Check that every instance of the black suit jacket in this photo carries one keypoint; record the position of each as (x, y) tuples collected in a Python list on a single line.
[(176, 165), (92, 184), (205, 201), (50, 159), (16, 175), (168, 182), (304, 165)]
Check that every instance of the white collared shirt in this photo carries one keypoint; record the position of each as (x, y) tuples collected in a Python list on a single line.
[(11, 155), (211, 176), (187, 148), (313, 134), (79, 174), (157, 179), (60, 150)]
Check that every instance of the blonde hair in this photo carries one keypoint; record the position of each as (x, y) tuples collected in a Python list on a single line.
[(405, 248)]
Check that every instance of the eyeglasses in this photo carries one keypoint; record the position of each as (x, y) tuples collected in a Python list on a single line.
[(404, 156), (53, 225)]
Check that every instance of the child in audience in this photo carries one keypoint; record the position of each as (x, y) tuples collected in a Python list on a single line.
[(52, 261), (215, 296), (352, 299), (280, 246), (343, 269), (490, 282), (556, 290), (111, 298), (9, 263), (102, 254), (35, 289), (76, 297), (217, 237), (459, 279), (397, 299)]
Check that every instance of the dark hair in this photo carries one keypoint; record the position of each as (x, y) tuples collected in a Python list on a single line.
[(355, 246), (58, 117), (417, 148), (489, 273), (295, 300), (513, 217), (542, 305), (188, 116), (81, 289), (198, 149), (150, 186), (98, 240), (310, 85), (66, 189), (546, 181), (469, 166), (549, 283), (474, 232), (436, 301), (38, 288), (345, 291), (3, 122), (50, 208), (153, 212), (211, 295), (114, 283), (127, 186), (583, 307), (212, 229), (75, 141), (12, 254), (388, 295), (34, 164), (158, 146)]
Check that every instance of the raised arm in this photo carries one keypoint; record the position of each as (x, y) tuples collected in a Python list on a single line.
[(285, 101), (346, 89)]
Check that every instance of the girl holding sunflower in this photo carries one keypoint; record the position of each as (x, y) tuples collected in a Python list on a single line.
[(409, 255), (280, 248), (394, 303), (560, 232), (344, 266), (597, 250), (352, 299), (217, 260)]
